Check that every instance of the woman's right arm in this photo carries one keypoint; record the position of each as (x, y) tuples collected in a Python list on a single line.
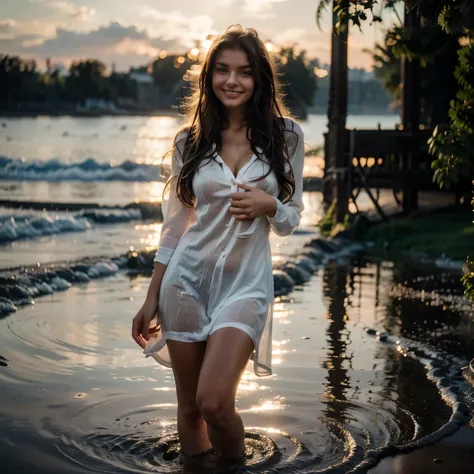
[(176, 219), (141, 322), (176, 216)]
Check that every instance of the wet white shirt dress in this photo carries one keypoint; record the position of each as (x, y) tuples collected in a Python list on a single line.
[(219, 270)]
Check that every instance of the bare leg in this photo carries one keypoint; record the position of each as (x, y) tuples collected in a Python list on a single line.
[(186, 360), (227, 353)]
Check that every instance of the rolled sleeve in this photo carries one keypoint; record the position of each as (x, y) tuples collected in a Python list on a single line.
[(288, 214)]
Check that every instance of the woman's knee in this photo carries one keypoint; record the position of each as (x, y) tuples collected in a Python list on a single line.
[(215, 408), (190, 413)]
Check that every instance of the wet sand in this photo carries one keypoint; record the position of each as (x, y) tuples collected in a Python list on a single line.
[(452, 455)]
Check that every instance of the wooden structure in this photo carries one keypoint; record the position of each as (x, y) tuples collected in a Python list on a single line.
[(386, 159), (368, 159)]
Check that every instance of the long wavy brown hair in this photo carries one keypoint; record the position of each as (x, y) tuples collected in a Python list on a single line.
[(206, 116)]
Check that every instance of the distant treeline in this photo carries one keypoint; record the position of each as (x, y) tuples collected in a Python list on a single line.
[(27, 89)]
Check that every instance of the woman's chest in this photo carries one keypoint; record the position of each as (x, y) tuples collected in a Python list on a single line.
[(214, 179)]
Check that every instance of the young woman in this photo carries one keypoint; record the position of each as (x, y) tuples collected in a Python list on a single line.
[(236, 173)]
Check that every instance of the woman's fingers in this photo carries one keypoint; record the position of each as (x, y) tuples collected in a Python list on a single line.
[(238, 211), (245, 186), (238, 196), (154, 329), (235, 203), (136, 332)]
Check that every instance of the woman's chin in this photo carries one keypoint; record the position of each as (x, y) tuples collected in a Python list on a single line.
[(233, 104)]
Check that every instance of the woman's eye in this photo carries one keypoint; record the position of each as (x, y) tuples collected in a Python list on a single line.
[(221, 69), (246, 73)]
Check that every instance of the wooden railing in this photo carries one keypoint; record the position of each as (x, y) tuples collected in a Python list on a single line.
[(390, 159)]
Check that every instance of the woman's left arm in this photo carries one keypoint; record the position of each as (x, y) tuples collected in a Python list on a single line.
[(288, 215)]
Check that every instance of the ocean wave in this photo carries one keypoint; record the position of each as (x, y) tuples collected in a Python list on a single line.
[(30, 226), (19, 169)]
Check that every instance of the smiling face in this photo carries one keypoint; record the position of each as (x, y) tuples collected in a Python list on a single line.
[(232, 79)]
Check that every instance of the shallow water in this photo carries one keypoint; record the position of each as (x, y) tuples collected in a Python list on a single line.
[(79, 395)]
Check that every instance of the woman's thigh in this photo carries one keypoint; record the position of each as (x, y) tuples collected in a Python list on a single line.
[(186, 360), (227, 353)]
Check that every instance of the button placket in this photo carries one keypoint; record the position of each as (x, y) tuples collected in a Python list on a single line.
[(233, 189)]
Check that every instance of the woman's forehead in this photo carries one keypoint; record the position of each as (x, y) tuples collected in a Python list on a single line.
[(233, 57)]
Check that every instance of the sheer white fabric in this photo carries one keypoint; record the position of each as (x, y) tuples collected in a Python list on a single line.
[(219, 270)]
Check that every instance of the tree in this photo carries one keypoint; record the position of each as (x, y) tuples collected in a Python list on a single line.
[(87, 79), (19, 80), (122, 86), (454, 16), (436, 51), (454, 148), (298, 78), (168, 74)]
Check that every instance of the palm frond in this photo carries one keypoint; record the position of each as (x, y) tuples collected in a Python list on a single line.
[(321, 8)]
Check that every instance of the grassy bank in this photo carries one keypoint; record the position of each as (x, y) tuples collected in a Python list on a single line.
[(448, 232)]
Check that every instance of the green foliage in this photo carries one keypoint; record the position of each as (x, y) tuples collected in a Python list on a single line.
[(448, 231), (298, 78), (168, 73), (122, 85), (326, 224), (454, 148), (18, 78), (22, 83), (454, 16), (468, 278), (436, 51), (87, 79)]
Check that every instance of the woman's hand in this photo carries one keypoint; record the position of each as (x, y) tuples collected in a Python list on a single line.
[(141, 322), (252, 204)]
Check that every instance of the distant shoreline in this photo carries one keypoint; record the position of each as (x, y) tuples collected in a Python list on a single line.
[(138, 113)]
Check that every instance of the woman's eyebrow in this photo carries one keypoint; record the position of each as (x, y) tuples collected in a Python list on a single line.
[(246, 66)]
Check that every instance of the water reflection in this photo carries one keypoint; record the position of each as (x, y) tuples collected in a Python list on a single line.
[(154, 139), (335, 293), (388, 296)]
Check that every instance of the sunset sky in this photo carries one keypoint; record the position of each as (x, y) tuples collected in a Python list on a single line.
[(133, 32)]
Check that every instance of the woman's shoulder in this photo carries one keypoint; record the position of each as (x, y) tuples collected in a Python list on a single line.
[(181, 136), (293, 134), (291, 125)]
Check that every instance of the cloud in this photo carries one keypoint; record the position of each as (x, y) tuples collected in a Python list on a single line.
[(14, 32), (7, 28), (261, 9), (111, 37), (176, 25), (82, 12), (123, 44)]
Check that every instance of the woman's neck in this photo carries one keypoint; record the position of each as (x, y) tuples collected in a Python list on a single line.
[(235, 119)]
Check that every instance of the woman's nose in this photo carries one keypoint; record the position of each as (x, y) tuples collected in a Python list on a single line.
[(232, 79)]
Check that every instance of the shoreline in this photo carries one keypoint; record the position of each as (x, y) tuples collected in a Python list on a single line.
[(32, 113)]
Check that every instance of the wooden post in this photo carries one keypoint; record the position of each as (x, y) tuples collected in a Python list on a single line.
[(337, 160), (410, 76)]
